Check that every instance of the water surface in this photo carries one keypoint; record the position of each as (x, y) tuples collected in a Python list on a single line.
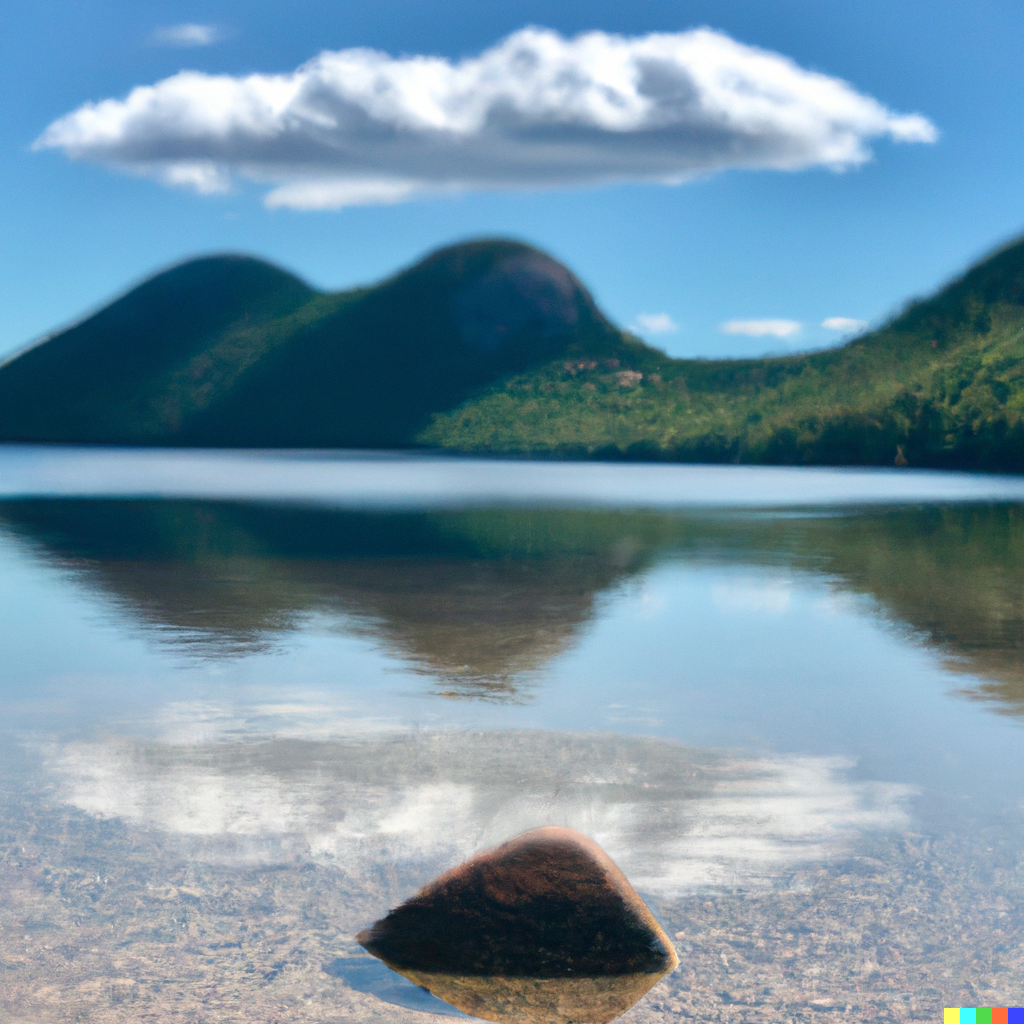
[(251, 702)]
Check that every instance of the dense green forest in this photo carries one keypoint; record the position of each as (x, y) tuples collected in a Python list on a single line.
[(494, 347), (941, 385)]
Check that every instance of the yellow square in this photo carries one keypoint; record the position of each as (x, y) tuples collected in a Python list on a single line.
[(951, 1016)]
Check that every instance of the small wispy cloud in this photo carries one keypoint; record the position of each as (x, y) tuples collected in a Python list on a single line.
[(845, 324), (761, 328), (655, 323), (185, 35)]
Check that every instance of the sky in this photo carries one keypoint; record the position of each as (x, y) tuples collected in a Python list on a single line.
[(728, 178)]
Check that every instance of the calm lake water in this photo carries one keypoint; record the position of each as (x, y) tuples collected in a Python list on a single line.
[(250, 702)]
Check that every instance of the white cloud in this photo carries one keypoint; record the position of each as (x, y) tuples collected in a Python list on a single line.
[(843, 323), (204, 177), (332, 195), (760, 328), (536, 110), (655, 323), (185, 35)]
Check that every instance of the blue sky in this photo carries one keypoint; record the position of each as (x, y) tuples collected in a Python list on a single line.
[(762, 249)]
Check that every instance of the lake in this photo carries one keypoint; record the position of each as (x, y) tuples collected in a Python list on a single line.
[(251, 701)]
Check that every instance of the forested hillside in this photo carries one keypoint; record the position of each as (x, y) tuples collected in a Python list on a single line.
[(941, 385)]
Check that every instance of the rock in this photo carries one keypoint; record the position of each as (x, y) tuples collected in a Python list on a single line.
[(542, 929), (526, 299)]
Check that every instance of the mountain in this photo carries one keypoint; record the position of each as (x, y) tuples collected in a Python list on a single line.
[(229, 350), (494, 347), (941, 385)]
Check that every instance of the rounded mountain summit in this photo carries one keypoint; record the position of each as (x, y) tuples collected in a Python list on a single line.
[(232, 351)]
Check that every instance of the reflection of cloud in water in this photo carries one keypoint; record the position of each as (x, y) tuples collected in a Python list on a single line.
[(672, 817), (773, 597), (193, 723)]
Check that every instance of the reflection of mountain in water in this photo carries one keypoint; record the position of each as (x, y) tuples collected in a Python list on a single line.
[(479, 599), (956, 574), (476, 599), (953, 573)]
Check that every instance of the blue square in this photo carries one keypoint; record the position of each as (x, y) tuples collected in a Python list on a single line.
[(1016, 1015)]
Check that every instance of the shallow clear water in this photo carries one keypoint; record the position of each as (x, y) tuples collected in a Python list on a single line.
[(250, 702)]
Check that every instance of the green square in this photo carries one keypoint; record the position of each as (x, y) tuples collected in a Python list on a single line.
[(983, 1015)]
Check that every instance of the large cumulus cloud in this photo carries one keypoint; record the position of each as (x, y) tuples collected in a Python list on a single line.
[(536, 110)]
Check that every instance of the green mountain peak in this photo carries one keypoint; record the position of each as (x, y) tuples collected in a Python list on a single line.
[(229, 350)]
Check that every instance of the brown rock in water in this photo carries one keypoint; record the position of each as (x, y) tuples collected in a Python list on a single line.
[(542, 929)]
